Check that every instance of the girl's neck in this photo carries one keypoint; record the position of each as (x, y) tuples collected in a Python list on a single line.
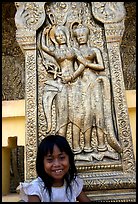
[(58, 184)]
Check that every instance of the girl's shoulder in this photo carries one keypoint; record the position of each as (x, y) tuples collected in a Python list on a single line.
[(37, 181), (33, 187), (78, 180), (77, 185), (34, 182)]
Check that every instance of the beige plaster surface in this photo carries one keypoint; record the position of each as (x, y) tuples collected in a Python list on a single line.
[(12, 197)]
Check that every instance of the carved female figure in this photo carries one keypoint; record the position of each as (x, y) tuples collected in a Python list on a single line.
[(67, 95), (93, 111), (95, 90), (64, 57)]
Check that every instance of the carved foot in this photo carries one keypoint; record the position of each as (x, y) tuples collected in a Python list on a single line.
[(77, 150), (112, 155), (100, 155), (88, 149), (83, 157)]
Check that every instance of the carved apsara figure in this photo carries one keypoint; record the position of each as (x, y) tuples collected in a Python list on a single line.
[(97, 95), (64, 94)]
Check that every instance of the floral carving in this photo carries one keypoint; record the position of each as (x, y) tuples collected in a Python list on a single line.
[(108, 12), (29, 15)]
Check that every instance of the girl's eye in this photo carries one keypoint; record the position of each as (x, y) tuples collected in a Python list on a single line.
[(62, 157), (49, 159)]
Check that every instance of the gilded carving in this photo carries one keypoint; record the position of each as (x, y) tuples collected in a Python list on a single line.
[(31, 117), (121, 110)]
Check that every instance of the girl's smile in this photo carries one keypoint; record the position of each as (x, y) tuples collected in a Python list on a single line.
[(56, 165)]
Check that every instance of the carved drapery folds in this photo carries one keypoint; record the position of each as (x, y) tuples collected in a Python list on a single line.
[(75, 87)]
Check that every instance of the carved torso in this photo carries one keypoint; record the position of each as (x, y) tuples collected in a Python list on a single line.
[(65, 58)]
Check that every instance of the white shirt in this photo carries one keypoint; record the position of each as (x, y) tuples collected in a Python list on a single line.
[(36, 187)]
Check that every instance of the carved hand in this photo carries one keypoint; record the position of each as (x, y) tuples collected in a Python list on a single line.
[(66, 79)]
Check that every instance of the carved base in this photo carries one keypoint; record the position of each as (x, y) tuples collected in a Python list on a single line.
[(121, 195), (112, 186), (99, 156)]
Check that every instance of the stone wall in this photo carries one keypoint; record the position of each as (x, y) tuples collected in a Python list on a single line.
[(13, 79), (128, 46)]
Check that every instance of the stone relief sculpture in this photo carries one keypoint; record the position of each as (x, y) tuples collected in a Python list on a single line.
[(74, 87), (82, 96)]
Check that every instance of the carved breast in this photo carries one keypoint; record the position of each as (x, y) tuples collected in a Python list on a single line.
[(62, 54), (88, 54)]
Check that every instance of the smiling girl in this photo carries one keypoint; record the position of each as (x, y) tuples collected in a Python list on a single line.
[(57, 179)]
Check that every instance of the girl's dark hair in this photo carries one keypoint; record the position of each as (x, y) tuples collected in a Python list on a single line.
[(46, 146)]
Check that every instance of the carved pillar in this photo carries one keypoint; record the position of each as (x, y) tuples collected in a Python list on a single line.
[(114, 29), (29, 17), (114, 34)]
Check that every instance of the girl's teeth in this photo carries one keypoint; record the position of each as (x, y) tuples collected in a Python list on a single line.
[(57, 171)]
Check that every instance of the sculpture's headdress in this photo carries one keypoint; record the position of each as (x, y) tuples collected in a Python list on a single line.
[(80, 28)]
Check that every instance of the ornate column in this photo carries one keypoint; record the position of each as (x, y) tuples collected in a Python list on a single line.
[(113, 36), (113, 18), (29, 17)]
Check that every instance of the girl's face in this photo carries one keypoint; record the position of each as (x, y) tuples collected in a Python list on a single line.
[(56, 165)]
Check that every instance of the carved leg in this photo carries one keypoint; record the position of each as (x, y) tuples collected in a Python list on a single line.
[(101, 140), (87, 141), (76, 140), (63, 130)]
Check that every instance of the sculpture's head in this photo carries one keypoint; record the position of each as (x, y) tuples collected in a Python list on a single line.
[(60, 35), (81, 33)]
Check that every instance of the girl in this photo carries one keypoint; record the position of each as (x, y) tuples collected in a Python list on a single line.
[(57, 179)]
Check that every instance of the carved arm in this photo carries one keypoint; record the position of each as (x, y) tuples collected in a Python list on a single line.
[(45, 48)]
